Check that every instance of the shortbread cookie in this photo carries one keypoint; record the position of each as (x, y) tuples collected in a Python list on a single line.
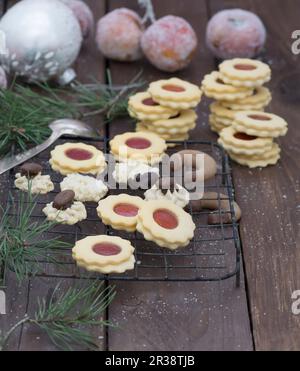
[(260, 99), (168, 189), (215, 125), (245, 72), (222, 112), (270, 157), (65, 210), (86, 188), (166, 224), (244, 144), (175, 93), (181, 123), (144, 147), (222, 121), (140, 127), (142, 107), (261, 124), (172, 131), (30, 178), (71, 158), (104, 254), (134, 171), (120, 212), (213, 86)]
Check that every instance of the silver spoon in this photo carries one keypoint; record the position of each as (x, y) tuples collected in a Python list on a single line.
[(59, 128)]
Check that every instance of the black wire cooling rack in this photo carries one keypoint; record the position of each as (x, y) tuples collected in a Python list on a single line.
[(213, 255)]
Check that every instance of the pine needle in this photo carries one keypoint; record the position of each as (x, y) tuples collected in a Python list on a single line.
[(23, 245), (66, 317)]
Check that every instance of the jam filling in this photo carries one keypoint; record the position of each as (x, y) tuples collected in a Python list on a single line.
[(244, 136), (78, 154), (150, 102), (219, 81), (127, 210), (165, 218), (245, 67), (106, 249), (175, 117), (260, 117), (174, 88), (138, 143)]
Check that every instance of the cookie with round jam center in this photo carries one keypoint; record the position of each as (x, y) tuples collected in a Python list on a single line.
[(165, 218), (106, 249), (138, 143), (78, 154), (127, 210)]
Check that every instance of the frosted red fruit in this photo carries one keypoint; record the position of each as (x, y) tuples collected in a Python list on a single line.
[(119, 34), (170, 43), (84, 15), (235, 33), (3, 79)]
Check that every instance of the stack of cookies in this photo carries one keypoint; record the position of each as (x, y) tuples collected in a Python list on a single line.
[(237, 86), (250, 139), (166, 109)]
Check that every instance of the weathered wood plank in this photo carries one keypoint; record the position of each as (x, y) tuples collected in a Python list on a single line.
[(270, 197), (177, 316)]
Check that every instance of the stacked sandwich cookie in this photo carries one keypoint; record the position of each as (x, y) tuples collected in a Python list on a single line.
[(166, 109), (166, 224), (250, 140), (237, 86), (104, 254)]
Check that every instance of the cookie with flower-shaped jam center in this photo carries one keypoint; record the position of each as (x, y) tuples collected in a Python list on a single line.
[(175, 93), (120, 212), (243, 72), (71, 158), (104, 254), (260, 98), (166, 224), (259, 123), (141, 106), (242, 143), (144, 147), (214, 86)]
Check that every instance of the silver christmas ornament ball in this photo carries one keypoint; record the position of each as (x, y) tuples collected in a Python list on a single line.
[(42, 39)]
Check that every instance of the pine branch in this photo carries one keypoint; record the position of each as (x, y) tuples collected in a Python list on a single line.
[(66, 316), (23, 245)]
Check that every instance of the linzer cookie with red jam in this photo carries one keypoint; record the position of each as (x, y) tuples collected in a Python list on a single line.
[(65, 210), (214, 86), (142, 107), (30, 178), (269, 157), (260, 99), (166, 224), (182, 123), (175, 93), (144, 147), (243, 144), (241, 72), (81, 158), (261, 124), (104, 254), (120, 212)]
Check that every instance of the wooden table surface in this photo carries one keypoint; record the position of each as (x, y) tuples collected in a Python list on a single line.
[(209, 316)]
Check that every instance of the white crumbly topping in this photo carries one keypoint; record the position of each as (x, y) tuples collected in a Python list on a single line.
[(179, 197), (72, 215), (86, 188), (126, 171), (40, 184)]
